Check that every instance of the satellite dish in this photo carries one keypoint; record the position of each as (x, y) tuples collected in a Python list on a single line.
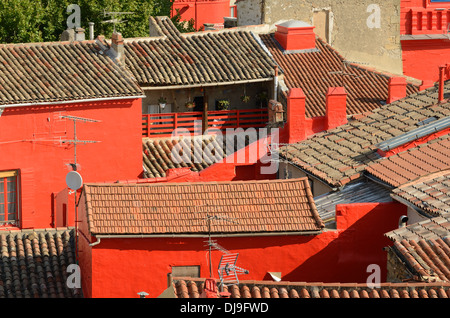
[(74, 180)]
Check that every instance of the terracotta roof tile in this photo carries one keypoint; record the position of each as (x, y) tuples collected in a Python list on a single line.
[(430, 193), (196, 58), (177, 208), (33, 264), (413, 163), (425, 247), (324, 290), (321, 153), (314, 72), (159, 154), (61, 71)]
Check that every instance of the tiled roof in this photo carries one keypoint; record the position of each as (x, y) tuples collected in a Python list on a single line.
[(413, 163), (193, 288), (433, 228), (202, 152), (34, 264), (315, 72), (425, 247), (197, 58), (61, 71), (182, 208), (340, 155), (158, 156), (430, 193)]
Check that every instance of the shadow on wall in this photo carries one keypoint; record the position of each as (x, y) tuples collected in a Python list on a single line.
[(360, 243)]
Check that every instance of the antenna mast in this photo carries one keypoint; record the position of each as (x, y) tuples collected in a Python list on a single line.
[(75, 141), (114, 16)]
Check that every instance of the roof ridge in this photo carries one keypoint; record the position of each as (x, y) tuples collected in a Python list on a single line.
[(162, 184)]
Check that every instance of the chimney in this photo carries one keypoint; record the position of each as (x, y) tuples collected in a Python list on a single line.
[(296, 121), (229, 22), (442, 77), (336, 107), (396, 89), (91, 31), (79, 34), (295, 35), (117, 46)]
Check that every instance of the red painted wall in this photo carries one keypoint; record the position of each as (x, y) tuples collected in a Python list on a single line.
[(30, 142), (421, 58), (124, 267), (212, 11)]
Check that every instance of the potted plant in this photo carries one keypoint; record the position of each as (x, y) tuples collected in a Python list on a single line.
[(162, 102), (245, 98), (262, 99), (223, 104), (190, 105)]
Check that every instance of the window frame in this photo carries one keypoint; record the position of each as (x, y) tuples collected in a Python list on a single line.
[(437, 3), (186, 268), (4, 175)]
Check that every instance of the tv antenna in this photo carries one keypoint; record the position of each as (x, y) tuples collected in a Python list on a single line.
[(74, 180), (227, 269), (75, 140), (115, 18)]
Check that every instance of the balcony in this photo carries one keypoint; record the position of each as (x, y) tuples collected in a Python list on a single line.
[(163, 125), (428, 21)]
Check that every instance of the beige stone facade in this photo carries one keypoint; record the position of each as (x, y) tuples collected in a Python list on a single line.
[(363, 31)]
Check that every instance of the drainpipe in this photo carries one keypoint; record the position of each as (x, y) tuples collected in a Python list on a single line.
[(275, 93), (96, 242)]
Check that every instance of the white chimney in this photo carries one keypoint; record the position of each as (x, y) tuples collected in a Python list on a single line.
[(91, 31)]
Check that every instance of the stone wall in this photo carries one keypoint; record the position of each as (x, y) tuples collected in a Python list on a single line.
[(352, 27), (396, 270)]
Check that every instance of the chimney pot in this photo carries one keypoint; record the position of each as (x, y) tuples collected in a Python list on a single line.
[(296, 35), (117, 45), (396, 88), (91, 31), (79, 34), (336, 107)]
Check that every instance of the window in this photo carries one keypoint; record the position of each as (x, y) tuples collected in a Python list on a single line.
[(8, 197), (186, 271)]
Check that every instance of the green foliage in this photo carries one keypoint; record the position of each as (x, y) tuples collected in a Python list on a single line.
[(183, 26), (24, 21)]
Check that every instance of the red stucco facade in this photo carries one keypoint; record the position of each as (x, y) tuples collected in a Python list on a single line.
[(206, 11), (123, 267), (422, 57), (31, 143)]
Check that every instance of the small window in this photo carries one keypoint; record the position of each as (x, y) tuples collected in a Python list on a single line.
[(9, 204), (186, 271)]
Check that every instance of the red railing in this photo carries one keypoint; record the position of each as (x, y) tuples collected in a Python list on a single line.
[(163, 125), (429, 21)]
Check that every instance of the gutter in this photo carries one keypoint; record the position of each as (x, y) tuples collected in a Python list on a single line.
[(71, 101), (113, 236), (149, 88)]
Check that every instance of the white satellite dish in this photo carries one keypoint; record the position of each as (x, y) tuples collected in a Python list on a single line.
[(74, 180)]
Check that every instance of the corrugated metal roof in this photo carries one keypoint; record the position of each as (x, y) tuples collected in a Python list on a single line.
[(359, 192)]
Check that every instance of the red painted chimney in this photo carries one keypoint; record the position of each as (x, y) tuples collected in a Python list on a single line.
[(396, 88), (443, 76), (295, 35), (336, 108), (296, 115)]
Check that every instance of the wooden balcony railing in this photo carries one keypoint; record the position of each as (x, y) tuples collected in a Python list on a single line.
[(163, 125)]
